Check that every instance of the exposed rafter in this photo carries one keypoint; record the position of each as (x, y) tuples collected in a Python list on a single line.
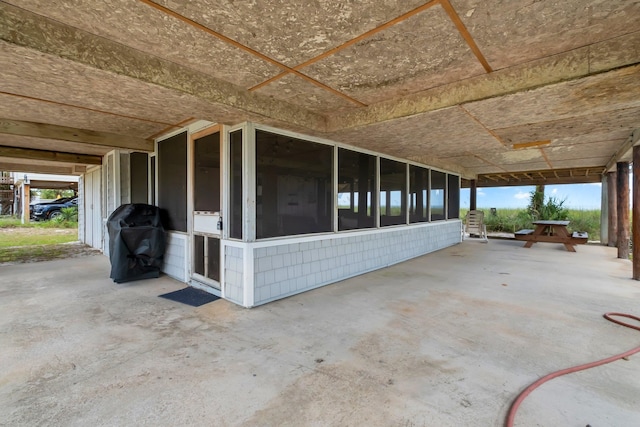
[(37, 168), (51, 156), (63, 133), (555, 176)]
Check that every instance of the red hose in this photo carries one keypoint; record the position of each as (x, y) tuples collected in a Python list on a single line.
[(516, 403)]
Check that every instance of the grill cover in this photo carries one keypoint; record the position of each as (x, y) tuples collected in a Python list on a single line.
[(136, 242)]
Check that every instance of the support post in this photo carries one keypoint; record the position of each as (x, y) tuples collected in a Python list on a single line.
[(472, 196), (604, 212), (26, 190), (623, 209), (636, 213), (612, 183)]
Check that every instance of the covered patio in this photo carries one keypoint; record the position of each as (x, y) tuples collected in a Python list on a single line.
[(446, 339)]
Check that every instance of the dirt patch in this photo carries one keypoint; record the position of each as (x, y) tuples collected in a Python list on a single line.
[(37, 253)]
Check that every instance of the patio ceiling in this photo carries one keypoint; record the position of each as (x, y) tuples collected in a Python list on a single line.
[(485, 88)]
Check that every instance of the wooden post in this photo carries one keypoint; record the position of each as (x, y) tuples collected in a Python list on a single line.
[(26, 190), (613, 209), (604, 212), (623, 210), (636, 213), (472, 196)]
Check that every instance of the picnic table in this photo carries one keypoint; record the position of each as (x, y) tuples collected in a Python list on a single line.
[(552, 232)]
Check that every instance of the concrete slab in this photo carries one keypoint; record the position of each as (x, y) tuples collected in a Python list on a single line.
[(447, 339)]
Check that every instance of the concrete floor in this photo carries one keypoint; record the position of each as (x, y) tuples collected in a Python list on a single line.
[(448, 339)]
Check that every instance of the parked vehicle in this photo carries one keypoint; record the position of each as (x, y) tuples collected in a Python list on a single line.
[(50, 210)]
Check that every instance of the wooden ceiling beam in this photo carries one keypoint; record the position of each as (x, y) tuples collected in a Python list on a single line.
[(534, 177), (623, 151), (50, 169), (51, 156), (453, 15), (79, 107), (64, 133)]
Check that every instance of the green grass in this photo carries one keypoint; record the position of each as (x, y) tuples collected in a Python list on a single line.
[(510, 220), (13, 222), (13, 233), (15, 239)]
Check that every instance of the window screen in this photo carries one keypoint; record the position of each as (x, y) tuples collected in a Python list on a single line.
[(139, 163), (418, 194), (235, 196), (213, 258), (356, 190), (393, 192), (152, 180), (438, 181), (172, 181), (293, 186), (453, 196), (206, 173), (198, 255)]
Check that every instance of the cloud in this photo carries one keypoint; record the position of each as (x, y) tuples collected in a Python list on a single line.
[(481, 193), (521, 195), (554, 191)]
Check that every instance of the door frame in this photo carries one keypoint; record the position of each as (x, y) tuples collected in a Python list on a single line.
[(203, 281), (93, 207)]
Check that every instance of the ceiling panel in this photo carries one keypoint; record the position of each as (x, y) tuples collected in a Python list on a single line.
[(138, 25), (602, 93), (298, 91), (422, 52), (516, 31), (439, 133), (130, 68), (292, 31)]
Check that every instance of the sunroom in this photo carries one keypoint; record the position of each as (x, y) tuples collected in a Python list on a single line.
[(255, 214)]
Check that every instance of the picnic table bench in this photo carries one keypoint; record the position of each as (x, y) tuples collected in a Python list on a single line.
[(552, 232)]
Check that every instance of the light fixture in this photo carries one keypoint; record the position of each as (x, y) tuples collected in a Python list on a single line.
[(531, 144)]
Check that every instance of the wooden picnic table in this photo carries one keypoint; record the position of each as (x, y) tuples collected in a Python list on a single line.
[(552, 232)]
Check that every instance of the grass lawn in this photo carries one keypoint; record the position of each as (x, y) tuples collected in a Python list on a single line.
[(33, 236), (13, 233), (39, 241)]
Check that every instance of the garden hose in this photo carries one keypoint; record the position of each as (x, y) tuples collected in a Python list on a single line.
[(609, 316)]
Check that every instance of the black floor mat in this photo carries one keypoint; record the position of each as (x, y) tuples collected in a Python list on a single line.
[(190, 296)]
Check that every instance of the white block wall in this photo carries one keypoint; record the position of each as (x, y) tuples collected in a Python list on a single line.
[(175, 256), (285, 269), (234, 274)]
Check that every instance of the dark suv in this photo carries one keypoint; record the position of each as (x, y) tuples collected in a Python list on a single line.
[(49, 210)]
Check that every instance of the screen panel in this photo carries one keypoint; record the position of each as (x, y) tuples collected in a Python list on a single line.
[(172, 181)]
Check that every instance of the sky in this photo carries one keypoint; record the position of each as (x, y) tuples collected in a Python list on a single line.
[(576, 196)]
